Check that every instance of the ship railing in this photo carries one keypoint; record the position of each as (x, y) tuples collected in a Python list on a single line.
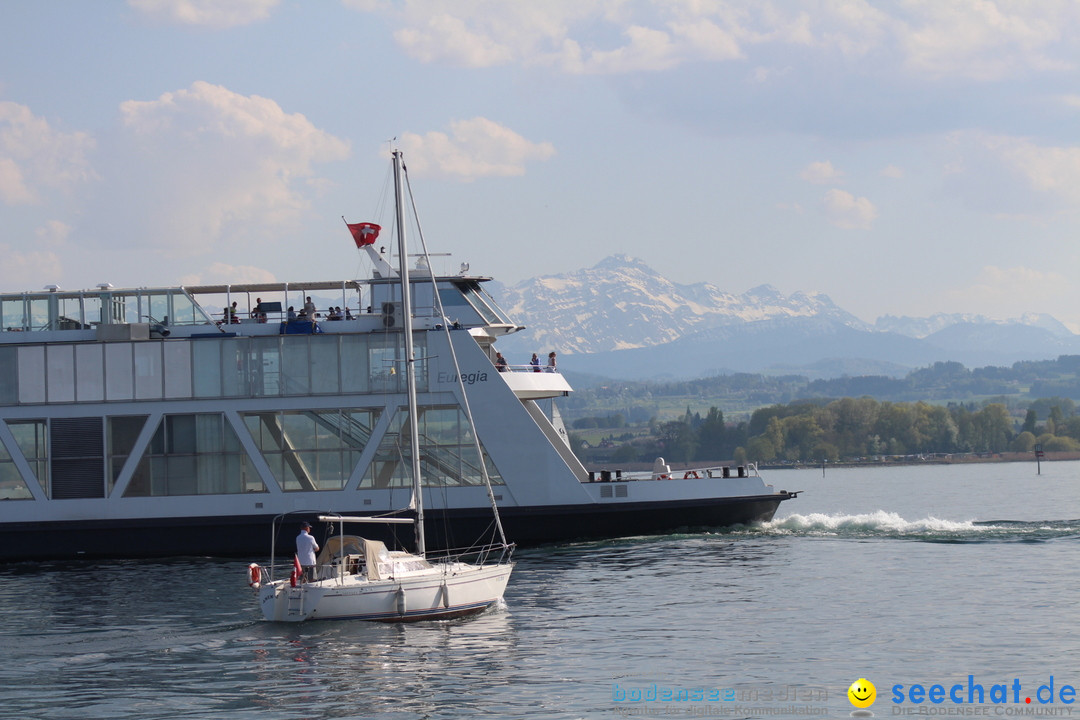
[(530, 368), (490, 553), (720, 472)]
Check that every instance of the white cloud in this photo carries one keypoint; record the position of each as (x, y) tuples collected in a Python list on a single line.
[(447, 38), (13, 188), (980, 39), (708, 40), (647, 50), (52, 233), (847, 211), (761, 74), (216, 14), (1010, 292), (1054, 170), (474, 148), (28, 270), (221, 273), (821, 173), (561, 33), (892, 171), (985, 40), (211, 161), (34, 156)]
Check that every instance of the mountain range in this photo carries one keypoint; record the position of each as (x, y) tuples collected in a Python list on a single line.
[(623, 320)]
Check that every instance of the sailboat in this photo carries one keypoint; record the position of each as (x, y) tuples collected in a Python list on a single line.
[(358, 578)]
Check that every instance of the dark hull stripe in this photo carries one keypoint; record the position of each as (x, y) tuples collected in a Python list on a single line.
[(437, 613), (249, 535)]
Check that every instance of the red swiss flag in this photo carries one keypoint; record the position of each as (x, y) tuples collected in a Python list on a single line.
[(364, 233)]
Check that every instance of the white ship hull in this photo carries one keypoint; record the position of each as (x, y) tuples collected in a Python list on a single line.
[(123, 439), (441, 593)]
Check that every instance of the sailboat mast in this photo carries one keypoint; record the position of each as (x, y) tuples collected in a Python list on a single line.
[(410, 355)]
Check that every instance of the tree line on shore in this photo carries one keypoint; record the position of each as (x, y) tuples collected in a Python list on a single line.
[(847, 429), (1023, 382)]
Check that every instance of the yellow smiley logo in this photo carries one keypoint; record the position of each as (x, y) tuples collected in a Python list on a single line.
[(862, 693)]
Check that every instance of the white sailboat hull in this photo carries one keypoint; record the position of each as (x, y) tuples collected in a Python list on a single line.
[(444, 591)]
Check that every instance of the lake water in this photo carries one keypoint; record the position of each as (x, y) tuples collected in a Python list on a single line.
[(959, 576)]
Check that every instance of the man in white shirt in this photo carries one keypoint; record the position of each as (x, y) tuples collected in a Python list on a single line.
[(306, 547)]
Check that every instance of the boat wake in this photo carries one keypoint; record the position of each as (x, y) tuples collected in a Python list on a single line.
[(883, 524)]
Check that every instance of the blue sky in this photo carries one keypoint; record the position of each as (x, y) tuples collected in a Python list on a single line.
[(903, 158)]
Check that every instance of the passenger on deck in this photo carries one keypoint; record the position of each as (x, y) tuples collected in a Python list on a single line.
[(535, 362), (306, 547), (500, 363), (551, 362)]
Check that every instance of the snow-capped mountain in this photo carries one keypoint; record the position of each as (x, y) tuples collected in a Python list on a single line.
[(621, 303), (622, 319), (925, 327)]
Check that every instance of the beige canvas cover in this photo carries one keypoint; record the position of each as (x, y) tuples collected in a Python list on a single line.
[(375, 553), (338, 545)]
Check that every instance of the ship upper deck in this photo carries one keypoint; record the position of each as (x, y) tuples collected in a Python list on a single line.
[(136, 317), (108, 313)]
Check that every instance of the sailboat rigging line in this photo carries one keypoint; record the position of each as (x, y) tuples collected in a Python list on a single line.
[(410, 354), (453, 355), (384, 196)]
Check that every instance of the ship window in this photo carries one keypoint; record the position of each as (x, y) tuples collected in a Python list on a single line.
[(295, 367), (354, 364), (324, 364), (89, 373), (13, 314), (457, 308), (387, 368), (38, 313), (12, 485), (148, 385), (234, 367), (447, 452), (206, 359), (184, 312), (386, 360), (70, 314), (479, 301), (91, 310), (31, 439), (119, 372), (264, 362), (470, 293), (123, 431), (60, 369), (155, 307), (32, 374), (312, 449), (9, 378), (193, 455), (177, 364)]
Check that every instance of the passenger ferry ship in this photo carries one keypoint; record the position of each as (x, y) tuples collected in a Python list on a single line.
[(145, 422)]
